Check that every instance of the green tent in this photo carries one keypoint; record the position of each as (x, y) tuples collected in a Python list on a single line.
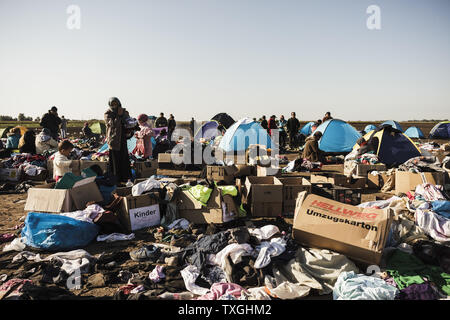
[(4, 131), (98, 127)]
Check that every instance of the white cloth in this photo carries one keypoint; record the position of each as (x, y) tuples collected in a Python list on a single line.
[(267, 250), (44, 143), (379, 204), (265, 232), (61, 165), (115, 237), (435, 225), (190, 274), (145, 186), (234, 251), (86, 215), (18, 244), (429, 192), (157, 274), (179, 224)]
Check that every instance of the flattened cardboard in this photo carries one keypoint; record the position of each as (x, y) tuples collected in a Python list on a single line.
[(338, 180), (359, 233), (85, 191), (44, 198), (407, 181), (338, 168)]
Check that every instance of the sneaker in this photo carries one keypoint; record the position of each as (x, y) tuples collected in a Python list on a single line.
[(146, 253)]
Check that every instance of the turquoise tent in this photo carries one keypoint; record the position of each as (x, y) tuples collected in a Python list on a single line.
[(415, 133), (244, 133), (369, 128), (393, 124), (307, 130), (337, 136)]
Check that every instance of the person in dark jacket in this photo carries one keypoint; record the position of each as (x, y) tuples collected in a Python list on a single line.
[(192, 126), (161, 121), (311, 151), (264, 123), (171, 124), (292, 127), (119, 161), (272, 125), (327, 116), (51, 121)]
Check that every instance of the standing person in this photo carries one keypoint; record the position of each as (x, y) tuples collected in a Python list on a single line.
[(192, 126), (51, 121), (27, 143), (161, 121), (264, 123), (119, 161), (272, 125), (144, 138), (171, 124), (45, 142), (63, 127), (327, 116), (281, 128), (292, 126)]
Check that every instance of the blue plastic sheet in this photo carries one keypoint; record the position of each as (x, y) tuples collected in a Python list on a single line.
[(441, 207), (54, 232)]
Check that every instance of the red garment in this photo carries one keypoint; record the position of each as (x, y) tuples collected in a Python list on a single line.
[(272, 125), (144, 142)]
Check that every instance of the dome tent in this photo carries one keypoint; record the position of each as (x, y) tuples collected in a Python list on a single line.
[(369, 128), (98, 127), (414, 133), (224, 119), (440, 131), (307, 128), (337, 136), (244, 133), (394, 147), (207, 131), (393, 124)]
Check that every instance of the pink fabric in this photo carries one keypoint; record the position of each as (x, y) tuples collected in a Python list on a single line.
[(219, 289), (144, 141)]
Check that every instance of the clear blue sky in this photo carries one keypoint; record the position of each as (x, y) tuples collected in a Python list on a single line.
[(245, 57)]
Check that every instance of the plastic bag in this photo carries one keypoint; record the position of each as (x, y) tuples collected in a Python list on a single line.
[(57, 233)]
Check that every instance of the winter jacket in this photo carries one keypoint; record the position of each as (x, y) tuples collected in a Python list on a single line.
[(51, 122), (293, 125), (311, 150), (161, 122), (114, 128), (13, 141)]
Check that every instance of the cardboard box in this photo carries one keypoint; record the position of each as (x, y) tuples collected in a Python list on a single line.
[(363, 169), (407, 181), (44, 198), (337, 179), (75, 168), (221, 173), (338, 168), (291, 188), (219, 209), (165, 161), (376, 182), (84, 164), (268, 171), (264, 196), (359, 233), (146, 169), (7, 174), (244, 170), (138, 212)]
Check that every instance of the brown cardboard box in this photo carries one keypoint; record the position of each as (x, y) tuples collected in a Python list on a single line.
[(75, 168), (338, 168), (264, 196), (44, 198), (145, 169), (219, 209), (244, 170), (407, 181), (338, 180), (291, 188), (376, 182), (363, 169), (221, 173), (268, 171), (165, 161), (138, 212), (359, 233), (84, 164)]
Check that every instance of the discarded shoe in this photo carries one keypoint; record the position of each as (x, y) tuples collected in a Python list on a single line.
[(146, 253)]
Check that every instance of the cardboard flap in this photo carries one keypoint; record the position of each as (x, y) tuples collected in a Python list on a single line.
[(46, 200), (83, 182)]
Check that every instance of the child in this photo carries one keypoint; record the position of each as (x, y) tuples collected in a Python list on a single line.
[(61, 163), (144, 138)]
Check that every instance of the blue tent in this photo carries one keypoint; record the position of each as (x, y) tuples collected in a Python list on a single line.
[(414, 132), (441, 131), (207, 130), (337, 136), (307, 130), (393, 124), (244, 133), (369, 128)]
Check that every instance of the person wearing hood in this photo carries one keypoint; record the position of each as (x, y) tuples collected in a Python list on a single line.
[(119, 161), (311, 150), (144, 138), (51, 121), (13, 139), (45, 142)]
